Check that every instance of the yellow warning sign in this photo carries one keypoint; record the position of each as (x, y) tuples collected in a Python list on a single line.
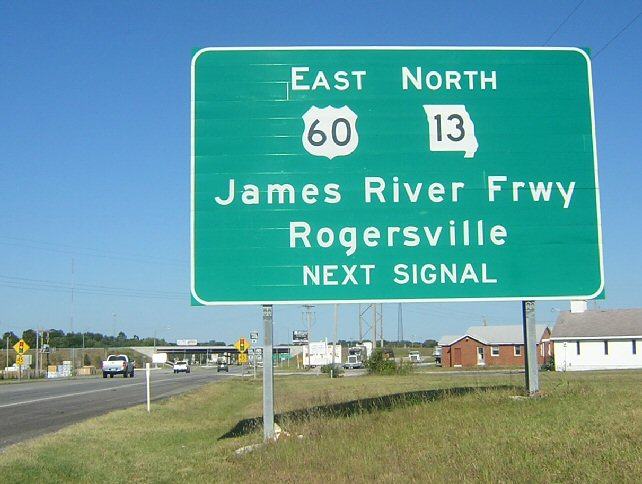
[(243, 358), (20, 360), (21, 347), (242, 345)]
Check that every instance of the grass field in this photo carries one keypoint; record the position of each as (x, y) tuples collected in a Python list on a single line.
[(586, 427)]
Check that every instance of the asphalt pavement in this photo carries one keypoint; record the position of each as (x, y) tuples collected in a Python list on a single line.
[(35, 408)]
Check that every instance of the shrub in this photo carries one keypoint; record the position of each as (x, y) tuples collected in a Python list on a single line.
[(337, 370), (549, 365), (379, 365)]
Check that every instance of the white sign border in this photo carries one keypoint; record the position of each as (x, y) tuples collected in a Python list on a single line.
[(589, 70)]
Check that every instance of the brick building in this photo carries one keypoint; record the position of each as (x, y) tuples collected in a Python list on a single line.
[(492, 346)]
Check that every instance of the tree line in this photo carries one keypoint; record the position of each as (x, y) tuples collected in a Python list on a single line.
[(57, 338)]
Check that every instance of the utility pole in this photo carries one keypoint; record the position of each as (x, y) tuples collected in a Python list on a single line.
[(363, 309), (381, 322), (308, 313), (71, 324), (374, 327), (399, 324)]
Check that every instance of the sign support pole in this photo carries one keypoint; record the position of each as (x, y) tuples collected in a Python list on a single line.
[(147, 380), (36, 365), (530, 348), (268, 374), (334, 339)]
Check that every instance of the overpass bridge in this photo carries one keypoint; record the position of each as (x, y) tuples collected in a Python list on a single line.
[(228, 350)]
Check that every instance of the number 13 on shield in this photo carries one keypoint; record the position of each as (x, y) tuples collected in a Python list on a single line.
[(451, 128)]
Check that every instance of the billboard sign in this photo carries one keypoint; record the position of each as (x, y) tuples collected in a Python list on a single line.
[(186, 342), (159, 358), (374, 174), (300, 337)]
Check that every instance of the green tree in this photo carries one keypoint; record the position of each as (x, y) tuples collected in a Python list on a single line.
[(13, 339), (29, 335)]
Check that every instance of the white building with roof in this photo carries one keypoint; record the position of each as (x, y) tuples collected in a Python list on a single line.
[(598, 340)]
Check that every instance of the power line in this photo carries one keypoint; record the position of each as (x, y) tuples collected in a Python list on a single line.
[(621, 31), (97, 293), (89, 286), (56, 286), (85, 251), (563, 22)]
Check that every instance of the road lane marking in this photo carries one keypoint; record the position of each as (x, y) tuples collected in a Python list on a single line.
[(86, 392)]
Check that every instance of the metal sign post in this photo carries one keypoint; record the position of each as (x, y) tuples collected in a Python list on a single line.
[(254, 339), (334, 339), (147, 380), (530, 348), (268, 374), (370, 139)]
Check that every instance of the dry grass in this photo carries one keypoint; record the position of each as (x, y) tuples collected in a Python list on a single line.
[(587, 427)]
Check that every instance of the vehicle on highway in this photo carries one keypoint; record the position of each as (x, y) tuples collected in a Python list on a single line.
[(357, 356), (221, 365), (437, 355), (415, 356), (118, 365), (181, 367)]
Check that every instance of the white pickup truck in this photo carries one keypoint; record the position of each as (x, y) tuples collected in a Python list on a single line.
[(181, 367), (118, 365)]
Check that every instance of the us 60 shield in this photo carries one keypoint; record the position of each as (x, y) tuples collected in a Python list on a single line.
[(330, 131)]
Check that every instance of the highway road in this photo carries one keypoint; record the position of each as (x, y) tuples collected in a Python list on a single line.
[(35, 408)]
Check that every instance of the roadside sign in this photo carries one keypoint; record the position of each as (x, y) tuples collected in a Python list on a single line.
[(159, 358), (21, 347), (300, 337), (254, 337), (243, 359), (242, 345), (186, 342), (374, 174), (20, 360)]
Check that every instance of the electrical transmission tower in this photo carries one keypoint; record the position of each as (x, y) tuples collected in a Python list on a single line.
[(399, 324), (371, 322)]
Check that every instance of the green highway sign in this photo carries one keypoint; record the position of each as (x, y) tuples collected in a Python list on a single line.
[(373, 174)]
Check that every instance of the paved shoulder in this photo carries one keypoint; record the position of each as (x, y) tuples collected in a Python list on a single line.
[(31, 409)]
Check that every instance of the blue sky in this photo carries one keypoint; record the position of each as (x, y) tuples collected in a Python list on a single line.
[(94, 147)]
